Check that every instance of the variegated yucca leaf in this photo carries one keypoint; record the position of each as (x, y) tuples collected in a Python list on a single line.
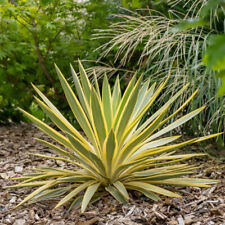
[(119, 152)]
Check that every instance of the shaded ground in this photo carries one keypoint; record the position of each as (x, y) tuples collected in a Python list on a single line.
[(197, 207)]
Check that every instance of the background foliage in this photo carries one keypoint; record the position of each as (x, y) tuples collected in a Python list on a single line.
[(157, 38), (36, 34)]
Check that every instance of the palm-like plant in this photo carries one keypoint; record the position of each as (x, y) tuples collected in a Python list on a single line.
[(121, 153)]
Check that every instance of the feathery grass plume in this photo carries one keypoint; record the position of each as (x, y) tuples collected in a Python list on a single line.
[(151, 38), (199, 8), (118, 152)]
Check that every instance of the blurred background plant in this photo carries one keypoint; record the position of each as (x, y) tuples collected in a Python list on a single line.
[(36, 33), (156, 38)]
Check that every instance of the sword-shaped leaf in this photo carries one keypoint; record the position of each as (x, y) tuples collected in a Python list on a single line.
[(74, 193), (86, 154), (116, 96), (48, 130), (129, 147), (76, 108), (123, 101), (88, 195), (153, 188), (40, 189), (83, 99), (109, 151), (116, 194), (121, 188), (195, 182), (107, 103), (85, 82), (64, 122), (126, 112), (99, 121)]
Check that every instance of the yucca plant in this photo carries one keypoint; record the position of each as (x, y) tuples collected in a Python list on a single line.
[(118, 152)]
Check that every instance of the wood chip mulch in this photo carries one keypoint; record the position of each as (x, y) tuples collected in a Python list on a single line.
[(205, 206)]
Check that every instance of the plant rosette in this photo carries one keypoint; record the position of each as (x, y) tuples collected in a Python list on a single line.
[(118, 153)]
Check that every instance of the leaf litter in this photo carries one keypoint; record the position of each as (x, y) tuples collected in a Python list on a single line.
[(199, 206)]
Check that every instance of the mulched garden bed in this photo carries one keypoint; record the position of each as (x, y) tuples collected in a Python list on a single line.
[(197, 207)]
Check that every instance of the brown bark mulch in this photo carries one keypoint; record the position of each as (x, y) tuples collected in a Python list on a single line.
[(205, 206)]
